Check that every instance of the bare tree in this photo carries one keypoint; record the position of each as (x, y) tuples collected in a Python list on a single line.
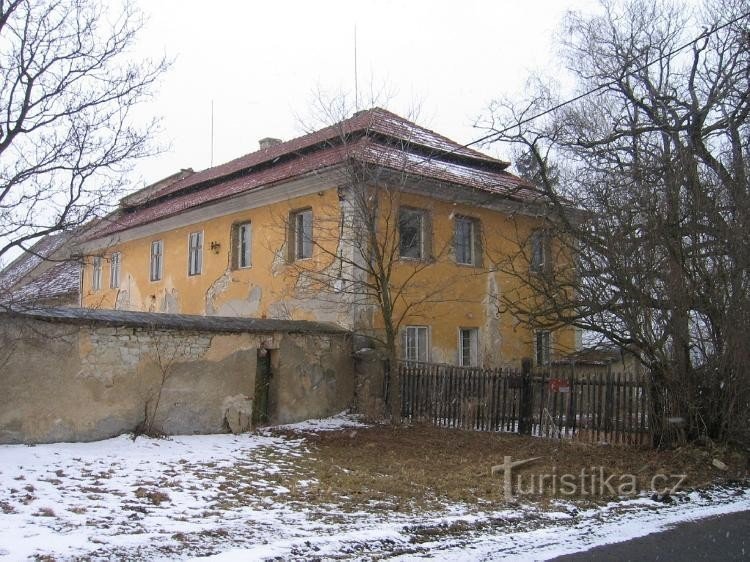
[(373, 260), (656, 155), (68, 88), (167, 353)]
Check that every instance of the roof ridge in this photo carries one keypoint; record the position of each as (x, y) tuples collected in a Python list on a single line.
[(376, 119), (448, 140)]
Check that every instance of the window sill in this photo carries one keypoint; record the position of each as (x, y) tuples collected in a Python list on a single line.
[(543, 270), (408, 259), (471, 265)]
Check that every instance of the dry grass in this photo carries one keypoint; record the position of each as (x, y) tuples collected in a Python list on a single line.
[(45, 512), (154, 496), (415, 468), (6, 507)]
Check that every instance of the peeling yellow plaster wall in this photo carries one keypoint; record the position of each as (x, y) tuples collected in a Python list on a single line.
[(266, 289), (218, 290)]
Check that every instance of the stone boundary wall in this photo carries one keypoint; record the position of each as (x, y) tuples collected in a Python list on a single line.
[(369, 395), (93, 376)]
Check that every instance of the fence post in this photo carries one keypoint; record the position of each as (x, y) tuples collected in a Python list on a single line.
[(526, 402), (609, 402)]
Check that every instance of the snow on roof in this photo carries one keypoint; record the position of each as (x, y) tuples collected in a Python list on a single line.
[(30, 260), (375, 136), (375, 120), (501, 183), (59, 281)]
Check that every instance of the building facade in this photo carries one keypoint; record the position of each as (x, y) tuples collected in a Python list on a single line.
[(323, 226)]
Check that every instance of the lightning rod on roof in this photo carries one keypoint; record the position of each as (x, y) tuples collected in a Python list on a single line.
[(212, 134), (356, 86)]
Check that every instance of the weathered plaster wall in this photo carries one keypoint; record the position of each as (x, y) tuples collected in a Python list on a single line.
[(263, 290), (455, 296), (313, 377), (370, 369), (73, 382), (459, 296)]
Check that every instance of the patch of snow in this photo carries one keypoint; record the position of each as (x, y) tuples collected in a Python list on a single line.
[(80, 499), (227, 497), (615, 522), (343, 420)]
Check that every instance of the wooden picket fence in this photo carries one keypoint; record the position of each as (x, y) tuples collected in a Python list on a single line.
[(553, 402)]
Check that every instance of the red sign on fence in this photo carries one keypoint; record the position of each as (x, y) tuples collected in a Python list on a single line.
[(558, 385)]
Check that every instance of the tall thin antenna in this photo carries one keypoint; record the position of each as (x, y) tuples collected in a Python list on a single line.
[(356, 83), (212, 133)]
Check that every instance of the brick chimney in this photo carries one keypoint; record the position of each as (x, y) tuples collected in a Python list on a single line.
[(268, 142)]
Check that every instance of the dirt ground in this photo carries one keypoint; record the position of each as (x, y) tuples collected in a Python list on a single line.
[(416, 468)]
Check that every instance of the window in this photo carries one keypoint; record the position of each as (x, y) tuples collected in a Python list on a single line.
[(542, 347), (195, 253), (415, 343), (468, 347), (411, 232), (96, 277), (540, 251), (157, 253), (114, 271), (301, 234), (241, 245), (467, 241)]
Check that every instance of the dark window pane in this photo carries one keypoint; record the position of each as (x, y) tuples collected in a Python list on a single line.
[(243, 245), (303, 235), (464, 241), (156, 251), (410, 233)]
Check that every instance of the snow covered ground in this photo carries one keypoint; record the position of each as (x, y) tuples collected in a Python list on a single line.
[(227, 498)]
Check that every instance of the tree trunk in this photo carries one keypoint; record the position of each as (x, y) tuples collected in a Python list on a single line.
[(394, 379), (659, 409)]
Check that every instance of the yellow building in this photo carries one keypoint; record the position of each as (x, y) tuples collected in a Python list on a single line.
[(370, 219)]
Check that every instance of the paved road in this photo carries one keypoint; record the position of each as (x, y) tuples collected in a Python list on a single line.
[(726, 537)]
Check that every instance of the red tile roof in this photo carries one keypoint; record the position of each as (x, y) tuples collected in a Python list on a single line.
[(375, 120), (375, 136), (179, 202), (495, 182)]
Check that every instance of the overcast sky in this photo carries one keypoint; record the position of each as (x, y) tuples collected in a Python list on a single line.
[(260, 62)]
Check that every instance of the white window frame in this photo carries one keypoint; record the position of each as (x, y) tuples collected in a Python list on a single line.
[(96, 273), (195, 253), (244, 245), (542, 348), (412, 350), (473, 359), (472, 239), (115, 262), (302, 234), (421, 215), (156, 263)]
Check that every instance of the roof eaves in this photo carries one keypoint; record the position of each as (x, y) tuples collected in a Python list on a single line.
[(374, 120)]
